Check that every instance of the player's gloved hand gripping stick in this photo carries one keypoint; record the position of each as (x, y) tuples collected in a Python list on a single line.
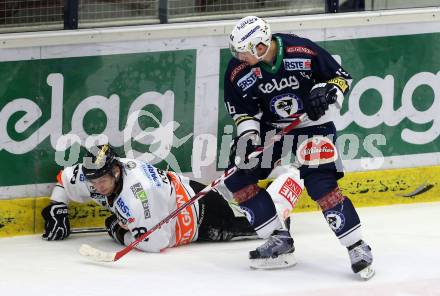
[(98, 255)]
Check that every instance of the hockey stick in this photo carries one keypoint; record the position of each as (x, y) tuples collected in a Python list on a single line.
[(88, 230), (102, 256)]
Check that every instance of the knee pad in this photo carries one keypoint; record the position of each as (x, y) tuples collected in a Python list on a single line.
[(238, 182), (224, 191), (242, 195), (285, 191)]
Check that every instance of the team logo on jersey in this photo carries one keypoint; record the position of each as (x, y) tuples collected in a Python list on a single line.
[(250, 216), (297, 64), (316, 151), (257, 72), (335, 220), (247, 81), (151, 174), (130, 165), (124, 208), (142, 195), (285, 82), (139, 191), (300, 49), (286, 105)]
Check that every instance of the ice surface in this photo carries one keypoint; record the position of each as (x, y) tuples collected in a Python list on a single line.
[(405, 240)]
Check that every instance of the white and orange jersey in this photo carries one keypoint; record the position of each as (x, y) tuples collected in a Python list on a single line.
[(148, 195)]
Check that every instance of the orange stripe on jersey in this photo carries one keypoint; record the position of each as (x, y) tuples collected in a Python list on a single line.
[(186, 219), (59, 179)]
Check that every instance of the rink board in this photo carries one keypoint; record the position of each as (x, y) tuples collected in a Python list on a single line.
[(74, 83), (63, 88), (374, 188)]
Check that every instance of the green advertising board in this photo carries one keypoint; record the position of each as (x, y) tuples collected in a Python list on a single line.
[(45, 100), (49, 102), (395, 94)]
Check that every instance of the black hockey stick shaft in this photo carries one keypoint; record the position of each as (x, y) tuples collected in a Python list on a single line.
[(88, 230)]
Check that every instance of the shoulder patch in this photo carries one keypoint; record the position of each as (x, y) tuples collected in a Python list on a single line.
[(300, 49), (237, 70), (339, 82), (59, 177), (131, 165), (257, 72)]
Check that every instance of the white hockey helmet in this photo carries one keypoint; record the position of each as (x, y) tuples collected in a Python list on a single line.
[(247, 34)]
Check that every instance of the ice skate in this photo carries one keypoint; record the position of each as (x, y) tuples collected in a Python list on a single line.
[(361, 260), (277, 252)]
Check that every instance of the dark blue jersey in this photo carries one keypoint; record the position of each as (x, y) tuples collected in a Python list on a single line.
[(275, 94)]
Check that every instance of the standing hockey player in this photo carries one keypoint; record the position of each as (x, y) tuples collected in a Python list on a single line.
[(139, 196), (271, 81)]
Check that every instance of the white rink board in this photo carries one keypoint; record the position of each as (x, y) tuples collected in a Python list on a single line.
[(404, 238), (209, 38)]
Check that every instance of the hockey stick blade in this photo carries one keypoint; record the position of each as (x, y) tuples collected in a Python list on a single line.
[(419, 190), (102, 256), (95, 254)]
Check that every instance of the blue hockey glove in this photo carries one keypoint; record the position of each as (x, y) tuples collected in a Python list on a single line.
[(321, 96)]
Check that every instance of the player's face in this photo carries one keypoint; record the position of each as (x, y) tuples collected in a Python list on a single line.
[(248, 58), (104, 185)]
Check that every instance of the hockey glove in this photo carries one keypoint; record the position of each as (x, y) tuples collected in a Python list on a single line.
[(321, 96), (56, 221), (241, 147), (114, 229)]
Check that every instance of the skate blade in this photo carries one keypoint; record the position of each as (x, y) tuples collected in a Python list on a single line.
[(282, 261), (367, 273)]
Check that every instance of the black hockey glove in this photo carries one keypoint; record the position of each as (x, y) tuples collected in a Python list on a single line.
[(114, 229), (241, 147), (321, 96), (56, 221)]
